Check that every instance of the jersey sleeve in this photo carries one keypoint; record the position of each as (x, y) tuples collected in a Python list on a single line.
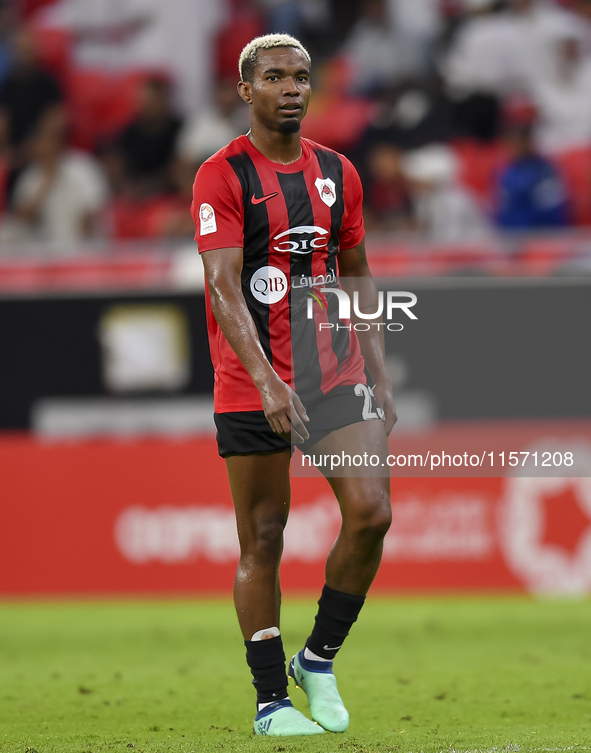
[(352, 229), (217, 208)]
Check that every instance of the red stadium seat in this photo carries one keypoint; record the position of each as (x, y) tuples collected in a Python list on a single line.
[(128, 219), (54, 48), (28, 8), (575, 167), (86, 90), (244, 24), (330, 97), (146, 218), (339, 133), (120, 103), (479, 165), (3, 182), (102, 104)]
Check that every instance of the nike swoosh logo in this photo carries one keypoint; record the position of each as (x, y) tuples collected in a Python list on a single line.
[(263, 198), (332, 648)]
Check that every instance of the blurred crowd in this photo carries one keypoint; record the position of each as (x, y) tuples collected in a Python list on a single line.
[(463, 117)]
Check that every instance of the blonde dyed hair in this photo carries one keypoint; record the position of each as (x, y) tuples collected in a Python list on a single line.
[(249, 55)]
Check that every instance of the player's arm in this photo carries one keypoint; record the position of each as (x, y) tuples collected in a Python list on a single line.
[(283, 409), (355, 275)]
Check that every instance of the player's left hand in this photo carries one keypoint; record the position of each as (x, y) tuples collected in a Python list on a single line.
[(383, 395)]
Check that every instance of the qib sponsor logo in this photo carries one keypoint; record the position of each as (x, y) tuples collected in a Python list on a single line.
[(268, 285)]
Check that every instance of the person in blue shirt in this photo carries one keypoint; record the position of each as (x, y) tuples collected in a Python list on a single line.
[(530, 193)]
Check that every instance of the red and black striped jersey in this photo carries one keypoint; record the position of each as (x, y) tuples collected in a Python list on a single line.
[(291, 220)]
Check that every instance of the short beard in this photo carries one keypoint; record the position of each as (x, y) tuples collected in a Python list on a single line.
[(290, 126)]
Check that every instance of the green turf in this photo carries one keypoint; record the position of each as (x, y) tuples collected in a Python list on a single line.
[(417, 675)]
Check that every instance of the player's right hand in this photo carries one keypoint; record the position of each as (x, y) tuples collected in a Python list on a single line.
[(284, 411)]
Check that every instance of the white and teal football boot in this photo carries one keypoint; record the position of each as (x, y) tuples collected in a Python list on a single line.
[(318, 682), (280, 719)]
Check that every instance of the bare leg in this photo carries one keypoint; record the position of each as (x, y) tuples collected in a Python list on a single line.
[(365, 506), (350, 569), (261, 492)]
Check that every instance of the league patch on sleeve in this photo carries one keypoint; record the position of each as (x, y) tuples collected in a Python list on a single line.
[(207, 223)]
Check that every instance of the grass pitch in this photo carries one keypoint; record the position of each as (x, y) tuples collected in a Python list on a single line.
[(416, 674)]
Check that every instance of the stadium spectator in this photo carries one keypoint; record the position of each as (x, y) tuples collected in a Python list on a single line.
[(284, 16), (536, 23), (420, 21), (58, 196), (582, 11), (387, 196), (28, 8), (311, 21), (486, 55), (173, 36), (410, 116), (101, 30), (503, 52), (378, 53), (484, 63), (500, 50), (295, 16), (331, 96), (244, 21), (156, 216), (496, 53), (173, 219), (27, 96), (6, 18), (140, 163), (530, 192), (215, 126), (563, 97), (445, 211)]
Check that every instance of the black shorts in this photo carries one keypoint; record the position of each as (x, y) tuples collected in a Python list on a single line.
[(249, 433)]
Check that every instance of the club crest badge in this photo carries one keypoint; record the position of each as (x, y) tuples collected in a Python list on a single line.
[(327, 190)]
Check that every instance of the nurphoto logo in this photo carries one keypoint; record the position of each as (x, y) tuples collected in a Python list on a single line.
[(395, 300)]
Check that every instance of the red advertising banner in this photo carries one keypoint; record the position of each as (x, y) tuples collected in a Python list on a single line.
[(155, 516)]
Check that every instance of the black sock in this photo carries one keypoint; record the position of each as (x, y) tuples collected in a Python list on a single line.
[(337, 611), (267, 665)]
